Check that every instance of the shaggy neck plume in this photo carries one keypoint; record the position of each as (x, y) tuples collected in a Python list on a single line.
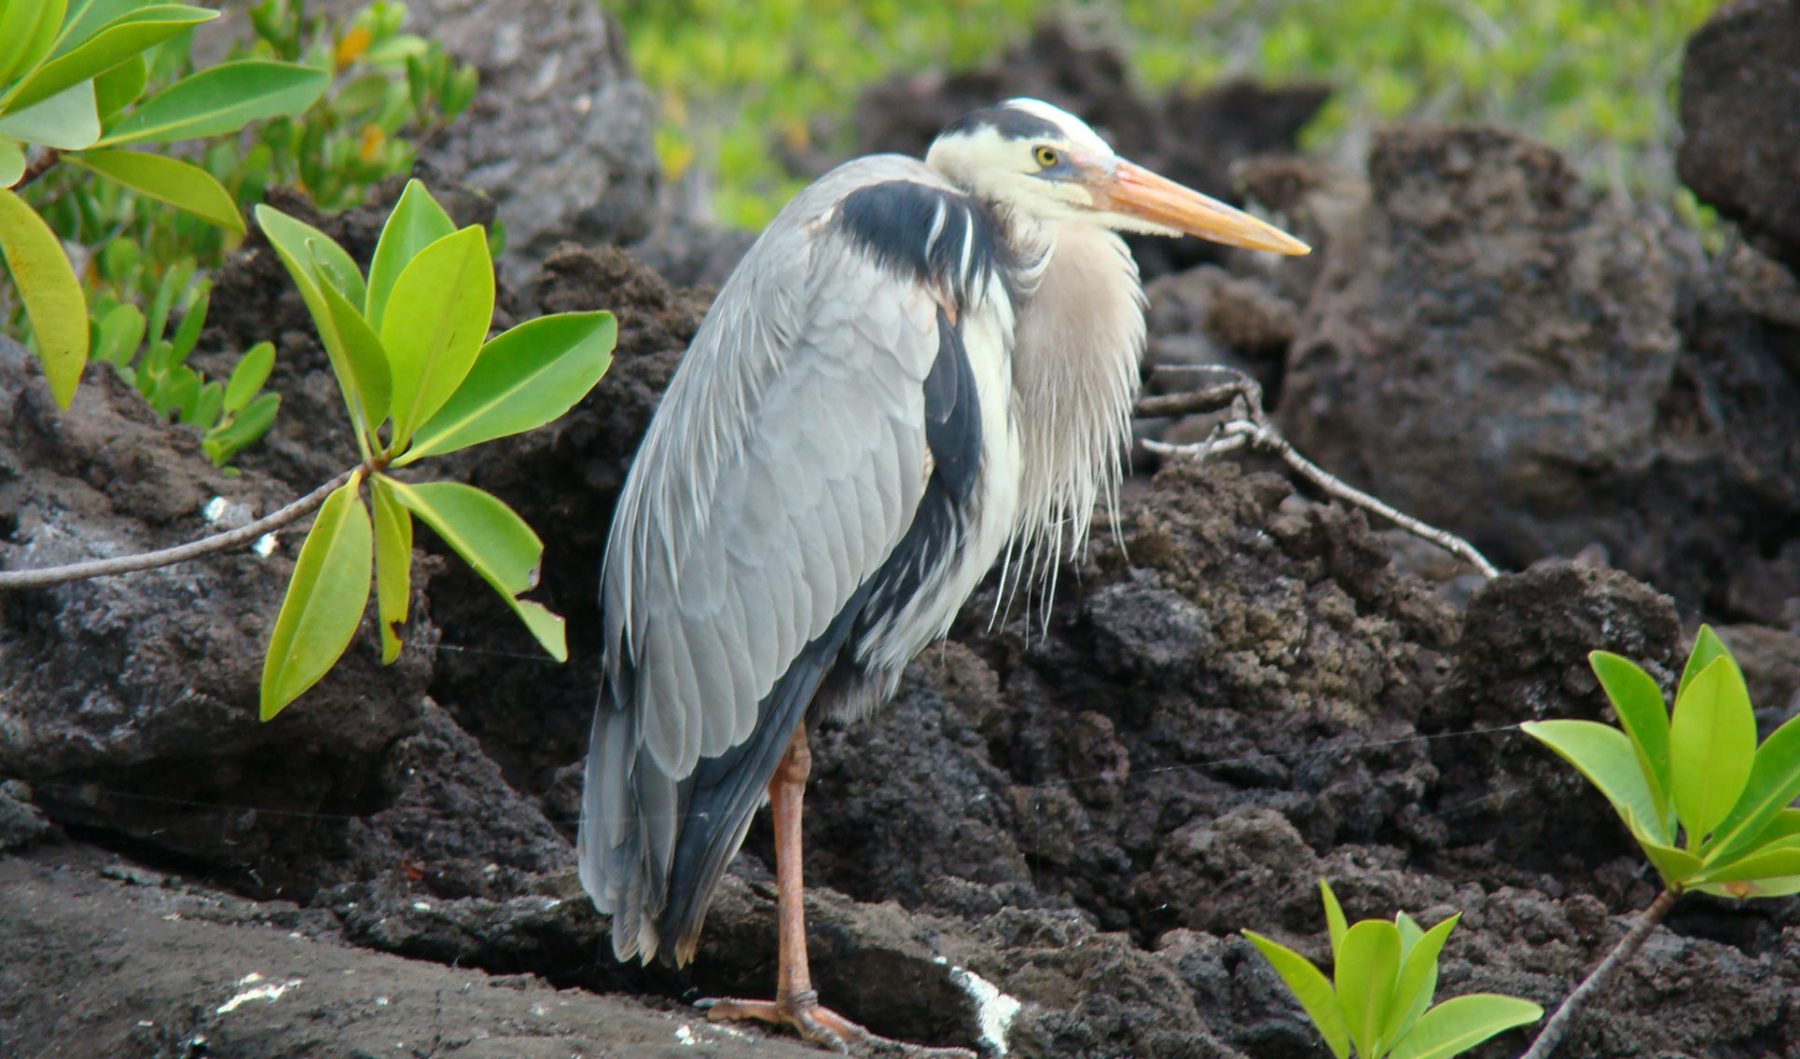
[(1075, 378)]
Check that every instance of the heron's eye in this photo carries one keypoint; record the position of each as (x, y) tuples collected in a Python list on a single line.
[(1046, 156)]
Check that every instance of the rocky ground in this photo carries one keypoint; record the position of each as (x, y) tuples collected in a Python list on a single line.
[(1241, 689)]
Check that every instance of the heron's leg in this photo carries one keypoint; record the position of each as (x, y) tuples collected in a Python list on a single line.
[(795, 1003), (787, 796)]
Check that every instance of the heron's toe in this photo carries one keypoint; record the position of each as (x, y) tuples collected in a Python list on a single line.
[(822, 1026)]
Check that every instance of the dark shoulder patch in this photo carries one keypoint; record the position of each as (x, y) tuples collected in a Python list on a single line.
[(897, 221), (1010, 122)]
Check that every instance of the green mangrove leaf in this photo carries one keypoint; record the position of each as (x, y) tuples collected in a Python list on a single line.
[(187, 336), (1461, 1023), (416, 223), (529, 376), (1645, 718), (1784, 886), (205, 410), (1783, 824), (300, 246), (120, 87), (221, 99), (28, 30), (1707, 647), (248, 376), (174, 282), (1773, 785), (123, 38), (1367, 968), (1605, 756), (393, 565), (12, 162), (1773, 861), (1676, 866), (362, 348), (243, 428), (120, 333), (1335, 922), (183, 186), (68, 121), (1418, 980), (1310, 987), (324, 601), (1410, 933), (436, 319), (1712, 745), (494, 541), (88, 17), (52, 295)]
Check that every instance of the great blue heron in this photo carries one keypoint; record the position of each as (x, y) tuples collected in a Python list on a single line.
[(918, 366)]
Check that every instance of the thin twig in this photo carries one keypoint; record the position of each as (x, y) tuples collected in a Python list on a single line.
[(1558, 1026), (1189, 402), (218, 542), (1252, 427)]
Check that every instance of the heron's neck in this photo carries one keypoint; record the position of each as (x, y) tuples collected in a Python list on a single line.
[(1075, 377)]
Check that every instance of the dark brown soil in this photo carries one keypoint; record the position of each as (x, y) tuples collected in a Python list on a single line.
[(1239, 690)]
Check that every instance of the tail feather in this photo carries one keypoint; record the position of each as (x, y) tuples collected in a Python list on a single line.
[(652, 848)]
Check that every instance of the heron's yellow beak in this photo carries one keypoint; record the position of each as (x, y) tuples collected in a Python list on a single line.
[(1136, 192)]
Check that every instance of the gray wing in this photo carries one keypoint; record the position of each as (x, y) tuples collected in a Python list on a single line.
[(785, 463)]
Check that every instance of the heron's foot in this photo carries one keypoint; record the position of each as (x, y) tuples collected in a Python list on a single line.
[(822, 1026), (802, 1013)]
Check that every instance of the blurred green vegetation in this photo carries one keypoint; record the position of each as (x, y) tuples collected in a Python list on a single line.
[(1595, 78)]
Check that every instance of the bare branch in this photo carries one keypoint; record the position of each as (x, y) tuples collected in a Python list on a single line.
[(1558, 1026), (1188, 402), (1235, 387), (218, 542), (1252, 427)]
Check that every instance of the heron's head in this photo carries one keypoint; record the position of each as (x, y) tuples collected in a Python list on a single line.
[(1044, 163)]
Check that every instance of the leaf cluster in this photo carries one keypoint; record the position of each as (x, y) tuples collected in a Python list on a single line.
[(1378, 1001), (1712, 810), (407, 346), (73, 79)]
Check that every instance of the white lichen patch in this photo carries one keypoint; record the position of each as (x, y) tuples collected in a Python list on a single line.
[(271, 992), (994, 1010), (226, 514)]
